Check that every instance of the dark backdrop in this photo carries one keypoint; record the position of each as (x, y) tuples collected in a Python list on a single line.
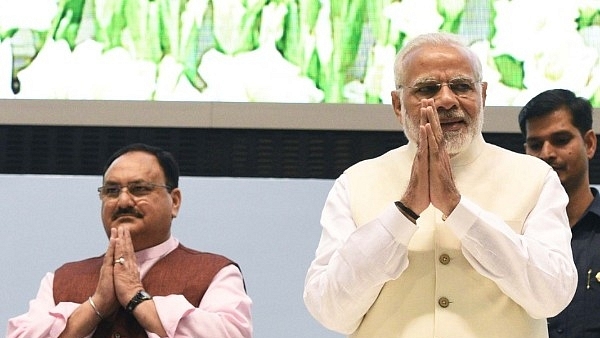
[(68, 150)]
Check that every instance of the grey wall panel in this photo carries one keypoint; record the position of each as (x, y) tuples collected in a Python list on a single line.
[(269, 226)]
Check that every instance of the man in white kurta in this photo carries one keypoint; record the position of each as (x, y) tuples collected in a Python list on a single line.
[(465, 240)]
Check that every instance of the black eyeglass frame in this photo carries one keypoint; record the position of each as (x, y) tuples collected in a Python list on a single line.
[(136, 189), (429, 89)]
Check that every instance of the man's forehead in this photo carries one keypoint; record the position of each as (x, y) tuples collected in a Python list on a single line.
[(432, 62), (429, 50), (554, 118), (542, 127)]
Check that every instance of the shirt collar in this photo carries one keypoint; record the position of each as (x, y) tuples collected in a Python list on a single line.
[(158, 251), (595, 206)]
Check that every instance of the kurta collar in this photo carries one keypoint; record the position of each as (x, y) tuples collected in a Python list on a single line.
[(157, 251)]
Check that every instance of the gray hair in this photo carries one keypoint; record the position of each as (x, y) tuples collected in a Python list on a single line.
[(434, 39)]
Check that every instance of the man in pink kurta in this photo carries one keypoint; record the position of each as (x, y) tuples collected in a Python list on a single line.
[(196, 294)]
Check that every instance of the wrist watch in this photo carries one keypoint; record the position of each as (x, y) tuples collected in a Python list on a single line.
[(139, 297)]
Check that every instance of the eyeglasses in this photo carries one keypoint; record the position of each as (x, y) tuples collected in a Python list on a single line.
[(135, 189), (427, 90)]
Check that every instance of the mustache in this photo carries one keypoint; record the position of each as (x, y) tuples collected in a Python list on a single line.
[(126, 212), (554, 164), (452, 113)]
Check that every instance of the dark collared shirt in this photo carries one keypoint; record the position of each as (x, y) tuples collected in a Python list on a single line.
[(581, 319)]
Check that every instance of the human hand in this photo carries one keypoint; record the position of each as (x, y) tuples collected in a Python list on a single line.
[(431, 180), (104, 297), (443, 193), (126, 275)]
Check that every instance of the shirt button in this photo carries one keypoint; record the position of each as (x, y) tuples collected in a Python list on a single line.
[(444, 302), (117, 335), (444, 259)]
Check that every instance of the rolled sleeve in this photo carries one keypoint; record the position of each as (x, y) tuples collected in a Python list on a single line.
[(225, 310)]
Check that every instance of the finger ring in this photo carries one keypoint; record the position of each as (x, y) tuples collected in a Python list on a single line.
[(121, 261)]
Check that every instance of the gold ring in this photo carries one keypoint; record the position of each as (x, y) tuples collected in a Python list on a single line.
[(121, 261)]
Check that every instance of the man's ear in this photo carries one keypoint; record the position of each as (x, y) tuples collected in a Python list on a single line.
[(176, 198), (397, 105), (484, 92), (590, 141)]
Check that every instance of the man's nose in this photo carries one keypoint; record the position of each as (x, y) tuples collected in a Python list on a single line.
[(547, 151), (445, 97), (125, 197)]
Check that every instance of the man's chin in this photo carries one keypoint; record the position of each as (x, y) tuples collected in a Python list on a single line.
[(455, 148), (456, 142)]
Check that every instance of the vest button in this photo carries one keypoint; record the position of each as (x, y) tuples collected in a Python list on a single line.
[(444, 259), (444, 302)]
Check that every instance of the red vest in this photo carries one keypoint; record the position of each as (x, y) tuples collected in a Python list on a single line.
[(183, 271)]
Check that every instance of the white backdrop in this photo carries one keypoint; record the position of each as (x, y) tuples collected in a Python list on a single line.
[(269, 226)]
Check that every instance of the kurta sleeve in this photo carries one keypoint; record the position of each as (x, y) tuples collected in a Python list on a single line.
[(223, 312), (352, 264), (44, 318), (534, 268)]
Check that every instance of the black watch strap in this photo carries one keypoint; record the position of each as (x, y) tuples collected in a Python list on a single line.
[(139, 297)]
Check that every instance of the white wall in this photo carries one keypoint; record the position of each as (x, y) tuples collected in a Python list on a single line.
[(269, 226)]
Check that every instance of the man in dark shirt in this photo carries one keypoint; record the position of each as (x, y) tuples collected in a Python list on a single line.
[(557, 126)]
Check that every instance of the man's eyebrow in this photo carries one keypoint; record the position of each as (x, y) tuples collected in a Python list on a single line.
[(423, 80), (128, 182), (431, 79), (532, 138), (554, 134)]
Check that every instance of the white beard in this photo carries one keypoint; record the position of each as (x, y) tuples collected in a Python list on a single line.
[(456, 141)]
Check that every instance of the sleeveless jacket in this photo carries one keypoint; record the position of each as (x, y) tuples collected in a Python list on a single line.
[(440, 294), (183, 271)]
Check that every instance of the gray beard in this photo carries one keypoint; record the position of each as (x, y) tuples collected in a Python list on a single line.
[(456, 141)]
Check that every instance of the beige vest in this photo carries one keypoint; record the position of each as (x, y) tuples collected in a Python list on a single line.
[(502, 182)]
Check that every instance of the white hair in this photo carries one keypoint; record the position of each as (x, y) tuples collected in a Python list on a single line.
[(434, 39)]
